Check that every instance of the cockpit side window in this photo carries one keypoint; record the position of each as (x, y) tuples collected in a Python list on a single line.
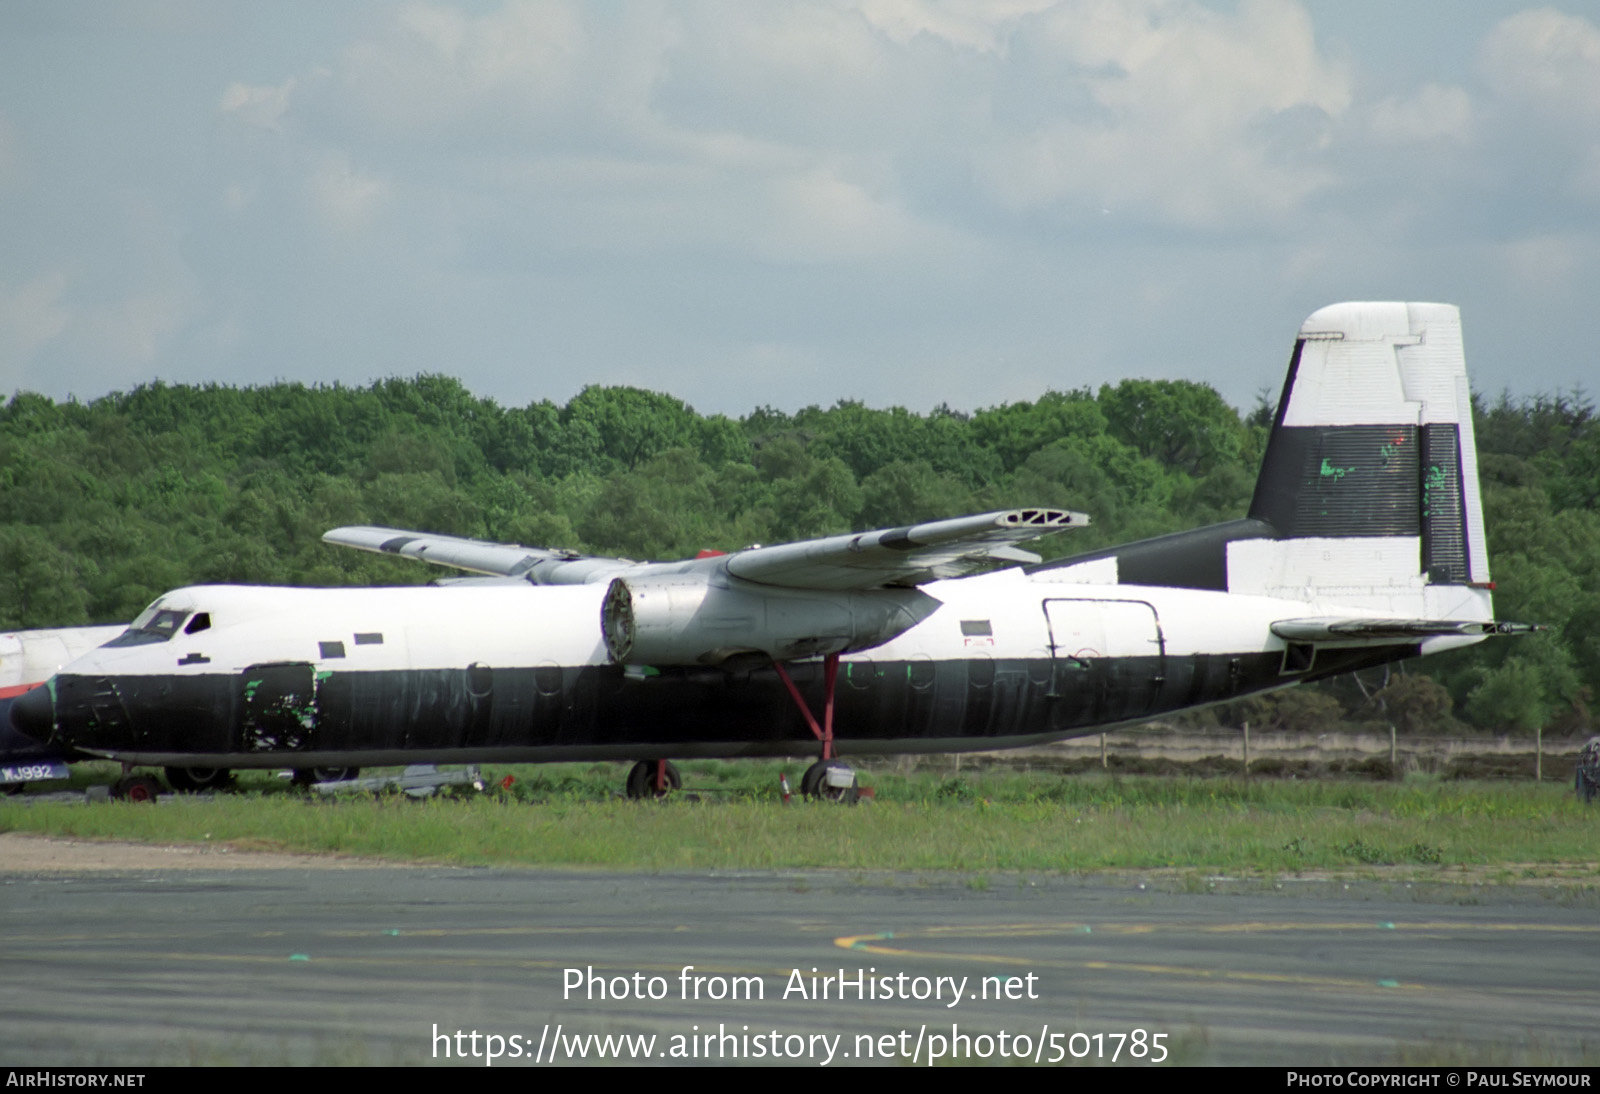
[(155, 624), (200, 622)]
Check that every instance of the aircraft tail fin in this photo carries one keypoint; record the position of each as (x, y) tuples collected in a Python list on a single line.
[(1368, 492), (1370, 479)]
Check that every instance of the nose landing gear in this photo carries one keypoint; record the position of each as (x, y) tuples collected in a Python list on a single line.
[(136, 788)]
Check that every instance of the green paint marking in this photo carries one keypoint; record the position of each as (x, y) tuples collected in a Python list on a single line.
[(1335, 473)]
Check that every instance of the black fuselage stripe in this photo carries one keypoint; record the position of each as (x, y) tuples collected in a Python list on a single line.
[(292, 709)]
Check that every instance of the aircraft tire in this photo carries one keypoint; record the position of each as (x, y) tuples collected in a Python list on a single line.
[(137, 788), (813, 783), (190, 779), (305, 776), (642, 780)]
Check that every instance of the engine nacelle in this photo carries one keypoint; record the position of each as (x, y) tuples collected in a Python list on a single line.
[(688, 620)]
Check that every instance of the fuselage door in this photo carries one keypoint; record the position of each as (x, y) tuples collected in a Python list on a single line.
[(1109, 659), (277, 707)]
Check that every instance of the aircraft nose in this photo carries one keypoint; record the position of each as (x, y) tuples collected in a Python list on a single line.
[(33, 713)]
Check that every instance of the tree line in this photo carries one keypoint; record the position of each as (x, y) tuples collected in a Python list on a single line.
[(106, 504)]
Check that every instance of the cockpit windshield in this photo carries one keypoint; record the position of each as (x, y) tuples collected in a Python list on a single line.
[(155, 624)]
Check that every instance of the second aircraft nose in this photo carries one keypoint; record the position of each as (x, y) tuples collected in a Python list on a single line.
[(33, 713)]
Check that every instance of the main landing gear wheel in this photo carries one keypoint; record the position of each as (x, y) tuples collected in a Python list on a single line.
[(642, 779), (190, 779), (305, 776), (136, 788), (831, 780)]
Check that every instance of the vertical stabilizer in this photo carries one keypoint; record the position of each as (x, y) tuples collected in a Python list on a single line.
[(1368, 493), (1370, 482)]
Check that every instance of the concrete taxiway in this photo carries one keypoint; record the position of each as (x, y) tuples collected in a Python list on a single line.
[(227, 960)]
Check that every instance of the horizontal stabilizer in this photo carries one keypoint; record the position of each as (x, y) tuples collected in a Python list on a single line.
[(901, 556), (1334, 629)]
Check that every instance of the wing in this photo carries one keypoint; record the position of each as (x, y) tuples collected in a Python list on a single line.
[(534, 564), (902, 556), (864, 560)]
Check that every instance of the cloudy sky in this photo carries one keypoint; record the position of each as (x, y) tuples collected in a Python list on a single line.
[(900, 201)]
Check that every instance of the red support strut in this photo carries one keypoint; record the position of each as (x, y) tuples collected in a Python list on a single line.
[(830, 675)]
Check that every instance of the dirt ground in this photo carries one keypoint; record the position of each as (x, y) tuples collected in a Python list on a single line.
[(1161, 750), (30, 854)]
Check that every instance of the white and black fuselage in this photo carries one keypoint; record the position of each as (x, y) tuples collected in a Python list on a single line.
[(364, 677), (1364, 544)]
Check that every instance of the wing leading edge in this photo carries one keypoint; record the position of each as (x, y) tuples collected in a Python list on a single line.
[(903, 556)]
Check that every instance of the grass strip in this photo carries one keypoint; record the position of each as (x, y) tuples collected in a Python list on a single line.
[(986, 821)]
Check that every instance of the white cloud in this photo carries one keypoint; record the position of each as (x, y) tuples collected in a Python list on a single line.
[(1198, 119), (1434, 112), (1550, 273), (1161, 110), (238, 196), (346, 198), (134, 330), (980, 25), (262, 107), (658, 182), (436, 68), (820, 215), (122, 336), (1548, 60), (31, 314)]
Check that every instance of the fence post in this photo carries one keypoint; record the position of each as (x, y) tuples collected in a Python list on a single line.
[(1394, 758), (1102, 750), (1538, 755), (1247, 749)]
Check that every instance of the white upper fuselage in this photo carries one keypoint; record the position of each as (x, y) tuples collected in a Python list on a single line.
[(514, 624)]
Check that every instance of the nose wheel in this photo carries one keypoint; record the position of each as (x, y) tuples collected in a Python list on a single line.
[(136, 788)]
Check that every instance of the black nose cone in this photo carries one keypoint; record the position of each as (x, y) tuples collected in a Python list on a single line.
[(33, 713)]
